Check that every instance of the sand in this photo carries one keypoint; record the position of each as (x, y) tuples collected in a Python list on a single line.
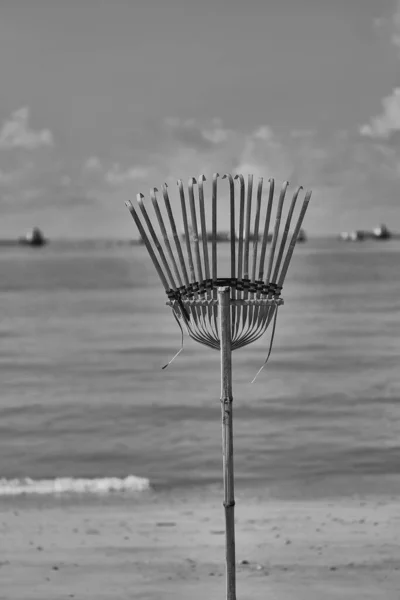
[(171, 546)]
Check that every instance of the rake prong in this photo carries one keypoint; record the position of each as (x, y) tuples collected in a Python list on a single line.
[(175, 233), (164, 233), (147, 243), (204, 237), (241, 226), (285, 234), (294, 239), (214, 227), (276, 231), (247, 312), (203, 226), (156, 241), (254, 311), (256, 228), (186, 230), (266, 228), (247, 227), (232, 241), (214, 291), (232, 222), (195, 232), (240, 309)]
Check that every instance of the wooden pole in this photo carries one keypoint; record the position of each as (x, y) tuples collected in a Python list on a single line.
[(224, 302)]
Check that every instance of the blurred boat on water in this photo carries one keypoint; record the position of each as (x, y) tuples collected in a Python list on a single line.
[(34, 237), (381, 233), (302, 237), (378, 233)]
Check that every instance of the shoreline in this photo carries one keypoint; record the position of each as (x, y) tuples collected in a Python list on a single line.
[(171, 545), (313, 487)]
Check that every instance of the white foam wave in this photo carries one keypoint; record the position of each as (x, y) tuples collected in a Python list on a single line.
[(63, 485)]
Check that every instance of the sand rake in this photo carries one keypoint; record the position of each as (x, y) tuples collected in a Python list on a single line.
[(223, 310)]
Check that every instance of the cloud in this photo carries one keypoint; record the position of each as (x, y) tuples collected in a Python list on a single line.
[(93, 163), (388, 122), (384, 128), (211, 147), (194, 134), (388, 25), (16, 133), (354, 181), (117, 176), (40, 181), (65, 180), (263, 153), (396, 26), (16, 176)]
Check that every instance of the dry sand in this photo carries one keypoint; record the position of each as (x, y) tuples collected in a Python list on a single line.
[(161, 547)]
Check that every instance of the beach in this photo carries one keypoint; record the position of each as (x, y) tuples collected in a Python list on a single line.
[(84, 396), (165, 546)]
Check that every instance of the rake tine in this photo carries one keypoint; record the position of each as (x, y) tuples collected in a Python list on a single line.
[(254, 310), (241, 225), (232, 240), (175, 233), (214, 292), (276, 231), (266, 229), (203, 226), (256, 228), (232, 222), (147, 243), (246, 310), (196, 310), (153, 234), (164, 234), (206, 322), (285, 234), (201, 333), (258, 330), (214, 226), (294, 239), (240, 247), (247, 227), (204, 237), (198, 337), (195, 233), (186, 230)]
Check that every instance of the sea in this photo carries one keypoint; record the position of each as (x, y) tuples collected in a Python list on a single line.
[(86, 407)]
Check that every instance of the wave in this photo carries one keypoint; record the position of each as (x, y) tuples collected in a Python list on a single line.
[(71, 485)]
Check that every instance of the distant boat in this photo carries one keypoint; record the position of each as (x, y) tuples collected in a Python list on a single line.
[(34, 237), (302, 236), (381, 233), (378, 233), (351, 236)]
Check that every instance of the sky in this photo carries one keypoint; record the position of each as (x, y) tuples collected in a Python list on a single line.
[(102, 99)]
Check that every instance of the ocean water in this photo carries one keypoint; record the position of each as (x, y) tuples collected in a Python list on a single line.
[(85, 405)]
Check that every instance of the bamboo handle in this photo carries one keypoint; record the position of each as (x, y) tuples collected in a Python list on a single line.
[(224, 301)]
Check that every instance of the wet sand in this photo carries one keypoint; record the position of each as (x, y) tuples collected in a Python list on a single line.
[(169, 546)]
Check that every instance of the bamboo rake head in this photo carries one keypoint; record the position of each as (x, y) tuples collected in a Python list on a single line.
[(188, 264)]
